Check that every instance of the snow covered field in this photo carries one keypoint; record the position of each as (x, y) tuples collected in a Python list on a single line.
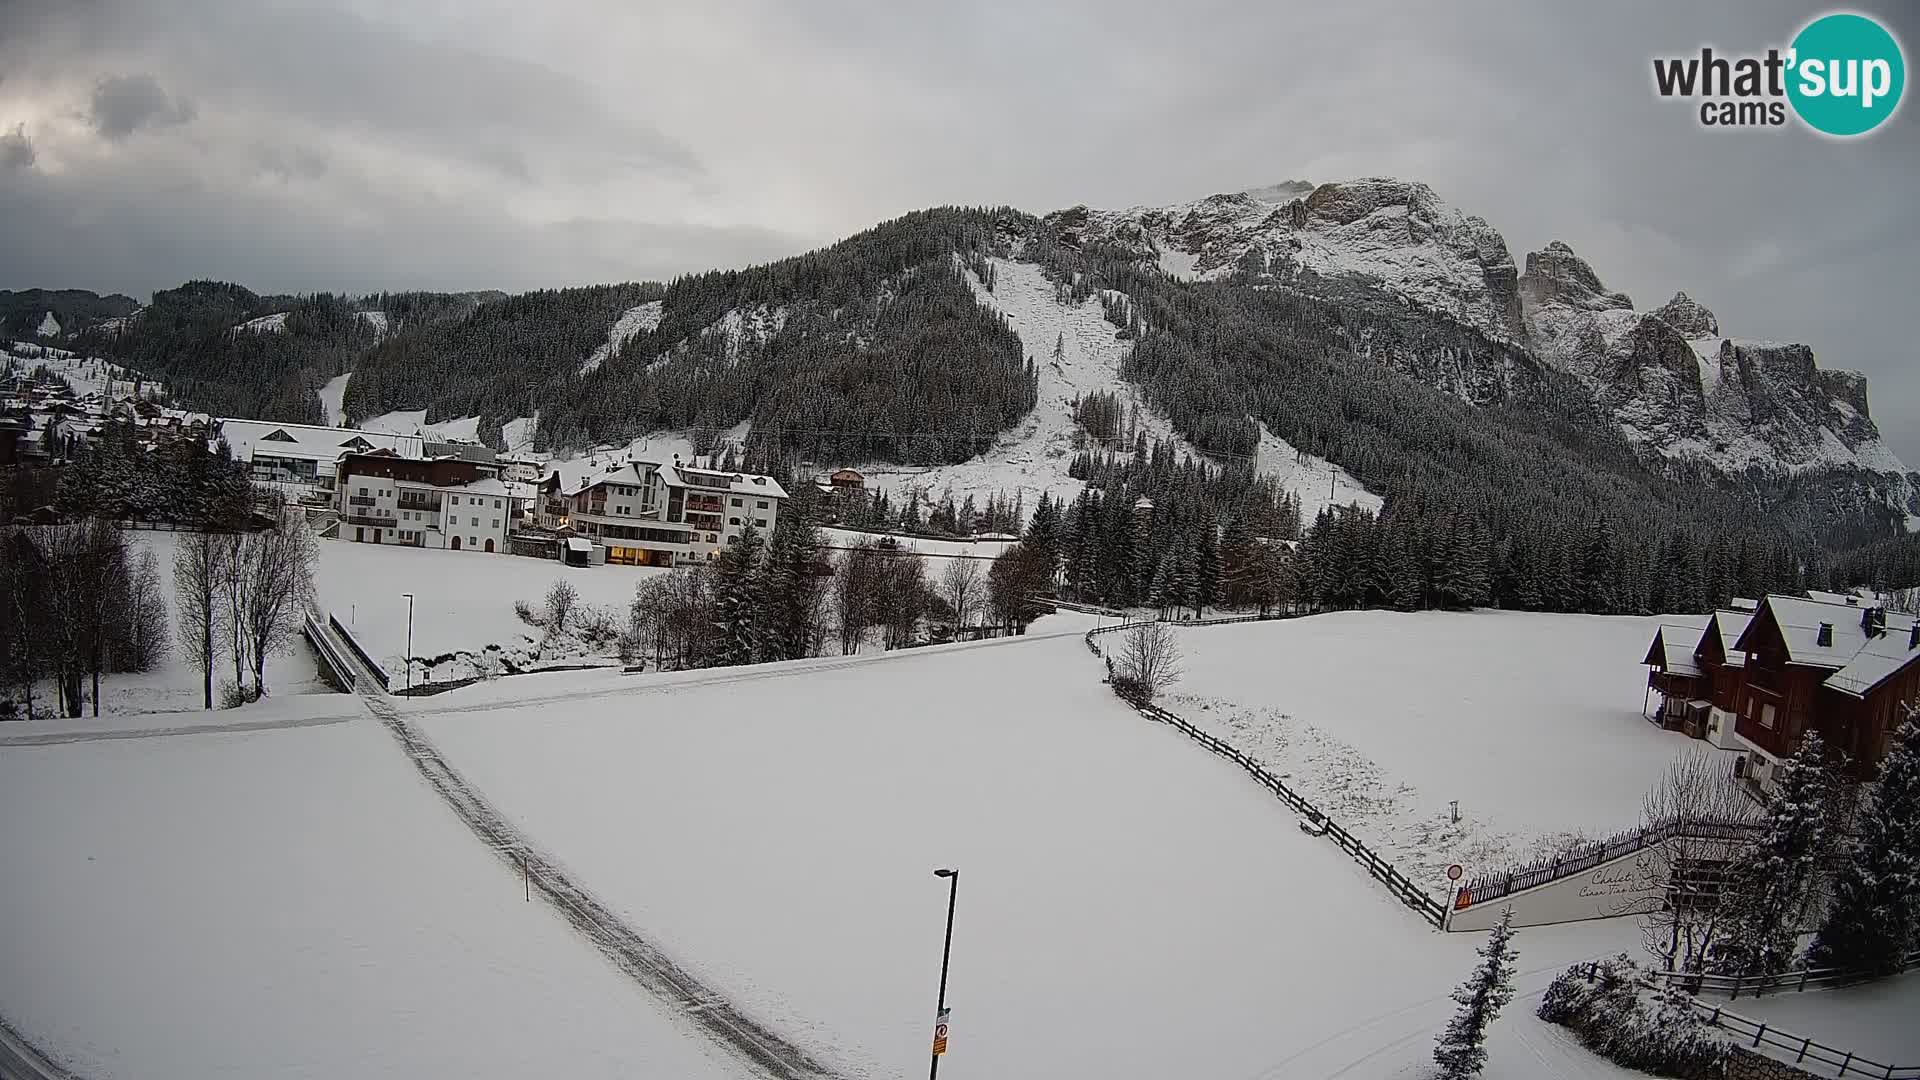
[(1382, 718), (1875, 1021), (463, 600), (292, 903), (1130, 905)]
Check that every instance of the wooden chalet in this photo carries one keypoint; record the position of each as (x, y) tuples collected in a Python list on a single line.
[(1839, 667)]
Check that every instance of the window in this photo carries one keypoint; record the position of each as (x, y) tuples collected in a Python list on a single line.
[(496, 504), (363, 491), (496, 523), (733, 521), (761, 505), (472, 541), (759, 523), (1766, 717), (476, 523), (736, 502), (733, 539), (454, 499)]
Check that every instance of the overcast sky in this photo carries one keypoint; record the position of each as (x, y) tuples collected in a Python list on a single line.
[(360, 145)]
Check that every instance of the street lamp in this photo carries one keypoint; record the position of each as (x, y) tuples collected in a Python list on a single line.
[(946, 953), (409, 597)]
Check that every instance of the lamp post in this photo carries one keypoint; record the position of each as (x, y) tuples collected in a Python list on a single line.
[(409, 597), (946, 953)]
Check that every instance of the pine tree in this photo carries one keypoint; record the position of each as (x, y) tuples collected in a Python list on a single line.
[(1874, 918), (1206, 584), (736, 610), (1770, 888), (1461, 1050)]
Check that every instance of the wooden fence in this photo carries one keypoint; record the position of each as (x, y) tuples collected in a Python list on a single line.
[(1733, 986), (1756, 1034), (1386, 873), (1583, 857)]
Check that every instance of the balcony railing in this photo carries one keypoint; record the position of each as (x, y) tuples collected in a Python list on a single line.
[(420, 504), (360, 500), (386, 522)]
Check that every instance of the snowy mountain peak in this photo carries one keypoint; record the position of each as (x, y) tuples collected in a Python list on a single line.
[(1556, 275), (1384, 232), (1282, 193), (1689, 317)]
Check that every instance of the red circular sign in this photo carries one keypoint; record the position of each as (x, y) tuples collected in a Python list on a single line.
[(1454, 872)]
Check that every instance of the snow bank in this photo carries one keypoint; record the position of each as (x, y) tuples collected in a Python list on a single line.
[(1531, 721), (292, 903), (1131, 905), (1874, 1021), (517, 433)]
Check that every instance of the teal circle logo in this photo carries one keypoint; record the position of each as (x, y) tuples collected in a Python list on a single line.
[(1846, 74)]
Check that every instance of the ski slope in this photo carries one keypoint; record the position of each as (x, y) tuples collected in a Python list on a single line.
[(1130, 906), (292, 903), (642, 318), (333, 397), (1034, 456)]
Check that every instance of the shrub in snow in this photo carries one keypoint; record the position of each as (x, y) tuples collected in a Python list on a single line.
[(1620, 1018), (1461, 1050), (527, 614), (1131, 690), (232, 696)]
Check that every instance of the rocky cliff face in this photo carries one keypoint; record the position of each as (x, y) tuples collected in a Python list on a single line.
[(1389, 232), (1676, 384)]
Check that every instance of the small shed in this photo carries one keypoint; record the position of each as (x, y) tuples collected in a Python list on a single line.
[(579, 551)]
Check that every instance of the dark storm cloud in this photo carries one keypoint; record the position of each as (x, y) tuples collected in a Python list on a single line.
[(16, 148), (349, 144), (124, 104)]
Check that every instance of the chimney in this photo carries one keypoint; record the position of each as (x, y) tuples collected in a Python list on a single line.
[(1873, 621), (1824, 638)]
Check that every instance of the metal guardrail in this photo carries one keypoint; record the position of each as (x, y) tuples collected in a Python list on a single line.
[(1403, 889), (379, 673), (344, 670)]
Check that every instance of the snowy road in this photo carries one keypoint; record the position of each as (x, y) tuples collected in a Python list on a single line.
[(20, 1060)]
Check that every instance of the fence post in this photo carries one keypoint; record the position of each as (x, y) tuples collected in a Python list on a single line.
[(1804, 1043), (1804, 972), (1757, 1034), (1715, 1018)]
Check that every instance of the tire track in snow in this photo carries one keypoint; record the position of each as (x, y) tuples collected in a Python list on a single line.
[(767, 1052)]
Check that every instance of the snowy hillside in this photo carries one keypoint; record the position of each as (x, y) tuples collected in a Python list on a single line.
[(265, 324), (49, 326), (85, 374), (414, 422), (643, 318), (375, 319), (1076, 353)]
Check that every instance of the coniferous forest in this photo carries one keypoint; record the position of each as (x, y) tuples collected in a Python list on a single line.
[(1519, 492)]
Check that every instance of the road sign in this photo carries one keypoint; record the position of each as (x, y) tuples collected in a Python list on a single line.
[(1454, 872), (940, 1032)]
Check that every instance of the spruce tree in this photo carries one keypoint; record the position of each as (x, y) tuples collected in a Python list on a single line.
[(1770, 888), (1461, 1050), (736, 610), (1874, 919)]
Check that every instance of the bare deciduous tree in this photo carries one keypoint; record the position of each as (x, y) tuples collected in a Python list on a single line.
[(143, 638), (855, 581), (1699, 788), (271, 586), (1150, 659), (960, 583), (562, 598), (198, 578)]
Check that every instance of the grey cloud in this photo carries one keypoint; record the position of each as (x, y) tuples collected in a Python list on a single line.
[(124, 104), (354, 145), (16, 148)]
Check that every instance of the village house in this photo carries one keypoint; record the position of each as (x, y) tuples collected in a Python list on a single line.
[(642, 513), (298, 459), (1840, 665), (444, 502)]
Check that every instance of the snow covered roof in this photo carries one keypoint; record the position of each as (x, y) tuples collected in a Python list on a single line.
[(1879, 659), (579, 543), (309, 441), (1801, 618), (1730, 625), (1678, 642), (741, 483), (486, 486)]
